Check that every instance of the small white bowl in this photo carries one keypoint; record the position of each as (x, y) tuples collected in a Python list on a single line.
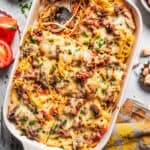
[(145, 5)]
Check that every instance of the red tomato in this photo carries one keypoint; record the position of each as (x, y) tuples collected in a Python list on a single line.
[(8, 27), (46, 115), (97, 137), (53, 111), (103, 130), (6, 55)]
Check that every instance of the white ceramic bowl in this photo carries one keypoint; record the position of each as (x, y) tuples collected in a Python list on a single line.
[(145, 5)]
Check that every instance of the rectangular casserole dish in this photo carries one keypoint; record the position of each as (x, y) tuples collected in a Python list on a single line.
[(33, 145)]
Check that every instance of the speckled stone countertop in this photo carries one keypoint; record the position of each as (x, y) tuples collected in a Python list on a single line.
[(133, 90)]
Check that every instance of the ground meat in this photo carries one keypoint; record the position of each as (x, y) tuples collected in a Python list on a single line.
[(72, 111), (77, 144), (37, 34), (118, 9), (102, 13), (95, 110), (82, 74), (32, 134), (63, 133), (11, 114), (93, 23), (38, 76), (109, 27)]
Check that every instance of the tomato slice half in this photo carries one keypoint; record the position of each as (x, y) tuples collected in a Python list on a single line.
[(6, 55), (8, 27)]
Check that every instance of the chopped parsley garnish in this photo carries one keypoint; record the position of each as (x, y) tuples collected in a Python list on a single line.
[(41, 64), (23, 132), (96, 90), (103, 92), (25, 7), (79, 64), (53, 68), (84, 34), (61, 78), (51, 40), (56, 126), (31, 123), (64, 122), (62, 146), (101, 42), (110, 65), (53, 131), (33, 41), (97, 49), (12, 28), (78, 49), (23, 120), (82, 112), (69, 51), (39, 129), (116, 43), (86, 43)]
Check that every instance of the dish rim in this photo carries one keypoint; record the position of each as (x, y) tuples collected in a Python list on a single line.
[(145, 5), (30, 144)]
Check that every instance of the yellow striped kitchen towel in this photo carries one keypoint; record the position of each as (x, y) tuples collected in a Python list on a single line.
[(132, 130)]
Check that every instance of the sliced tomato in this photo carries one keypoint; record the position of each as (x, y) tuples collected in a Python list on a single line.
[(46, 115), (97, 137), (8, 27), (6, 55)]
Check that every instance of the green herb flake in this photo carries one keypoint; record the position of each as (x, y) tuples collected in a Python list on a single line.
[(101, 42), (69, 51), (110, 65), (53, 131), (64, 122), (86, 43), (31, 123), (53, 68), (62, 146), (82, 112), (62, 78), (116, 43), (56, 126), (41, 64), (23, 120), (84, 34), (12, 28), (103, 92), (51, 40), (24, 7), (33, 41), (97, 49), (78, 49), (96, 90), (79, 64), (39, 129), (23, 133)]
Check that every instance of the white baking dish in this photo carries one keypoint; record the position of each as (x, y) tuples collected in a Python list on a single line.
[(33, 145)]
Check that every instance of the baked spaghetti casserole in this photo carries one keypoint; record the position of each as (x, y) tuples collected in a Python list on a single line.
[(70, 72)]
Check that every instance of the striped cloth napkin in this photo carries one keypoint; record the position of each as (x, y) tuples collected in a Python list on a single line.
[(132, 130)]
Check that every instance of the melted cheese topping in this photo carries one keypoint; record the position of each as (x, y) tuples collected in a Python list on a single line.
[(69, 76)]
